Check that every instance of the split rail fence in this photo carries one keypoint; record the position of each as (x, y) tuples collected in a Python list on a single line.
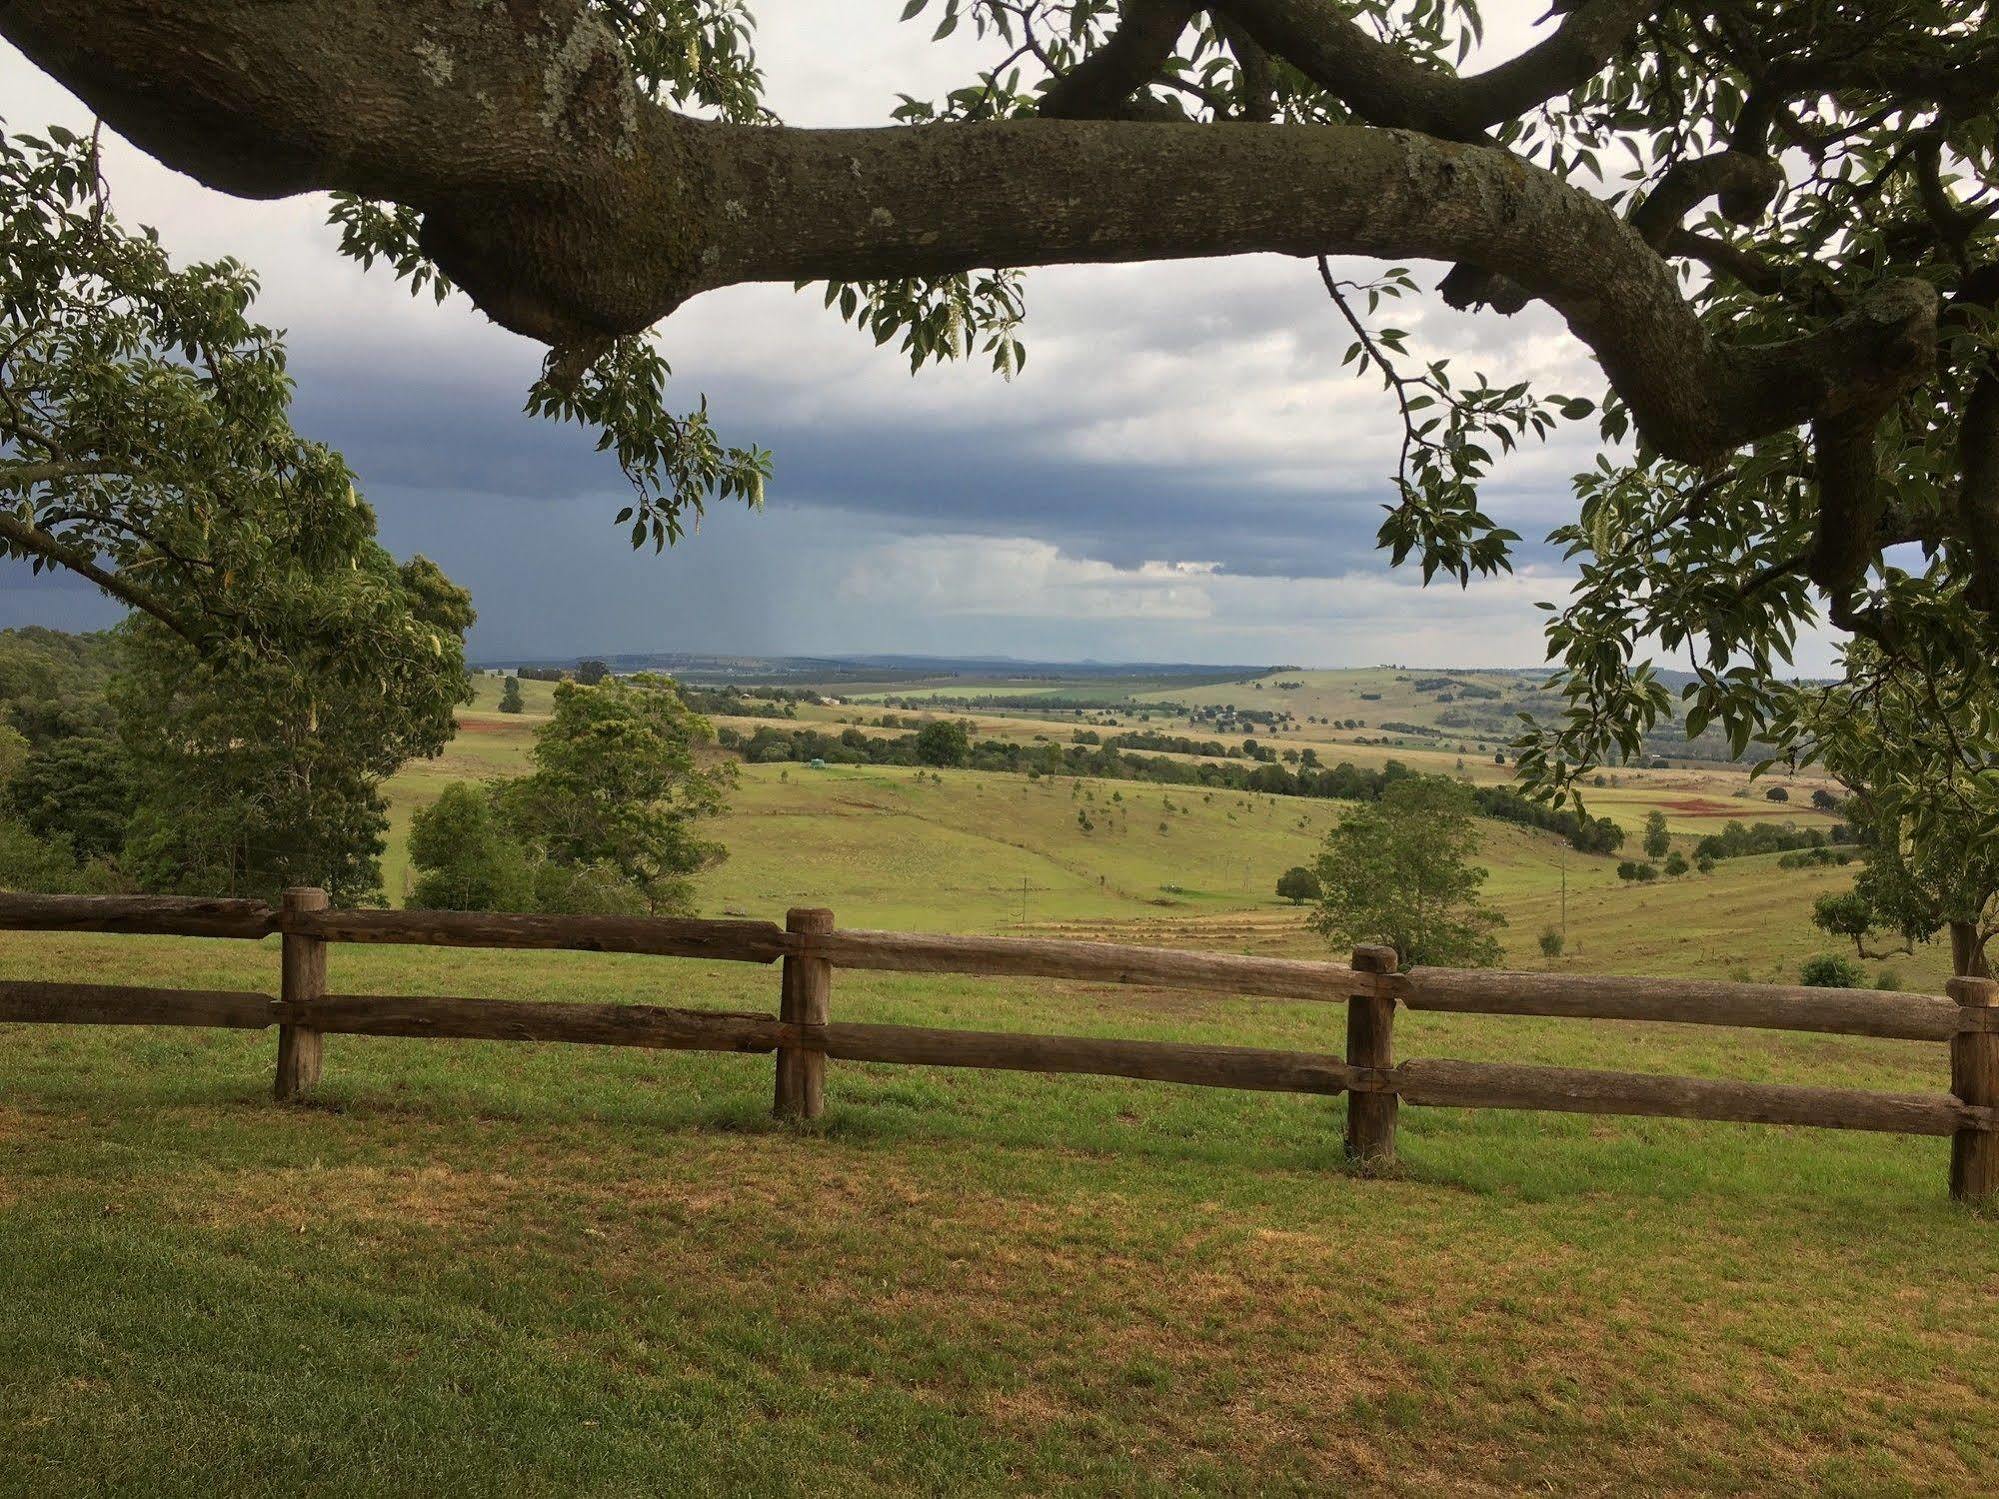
[(804, 1037)]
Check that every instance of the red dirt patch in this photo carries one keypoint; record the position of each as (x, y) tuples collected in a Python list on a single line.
[(1695, 806)]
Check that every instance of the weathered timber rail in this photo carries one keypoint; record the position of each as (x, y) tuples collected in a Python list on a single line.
[(803, 1037)]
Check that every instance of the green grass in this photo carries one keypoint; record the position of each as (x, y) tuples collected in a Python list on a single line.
[(480, 1267), (531, 1269)]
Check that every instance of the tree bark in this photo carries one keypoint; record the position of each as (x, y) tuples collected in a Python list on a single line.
[(1967, 951)]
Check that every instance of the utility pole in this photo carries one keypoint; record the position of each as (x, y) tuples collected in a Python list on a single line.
[(1023, 900), (1565, 893)]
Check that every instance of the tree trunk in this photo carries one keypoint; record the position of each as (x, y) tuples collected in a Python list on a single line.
[(1967, 951)]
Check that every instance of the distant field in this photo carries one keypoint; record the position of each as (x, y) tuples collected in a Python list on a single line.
[(888, 846)]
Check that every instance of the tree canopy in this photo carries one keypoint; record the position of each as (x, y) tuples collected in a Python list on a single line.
[(619, 787), (1400, 872)]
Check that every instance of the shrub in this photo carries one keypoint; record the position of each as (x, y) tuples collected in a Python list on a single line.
[(1297, 884), (1676, 864), (1888, 980), (1551, 943), (1831, 971), (465, 858)]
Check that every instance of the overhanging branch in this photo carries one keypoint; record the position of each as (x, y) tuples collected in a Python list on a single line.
[(571, 208), (1385, 86)]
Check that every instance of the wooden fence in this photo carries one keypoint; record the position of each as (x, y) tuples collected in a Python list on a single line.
[(804, 1036)]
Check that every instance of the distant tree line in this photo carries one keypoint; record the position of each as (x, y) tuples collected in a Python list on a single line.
[(1591, 835), (1739, 838), (946, 742)]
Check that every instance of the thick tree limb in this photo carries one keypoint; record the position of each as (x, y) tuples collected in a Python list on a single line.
[(1387, 87), (1744, 183), (570, 208), (1101, 86), (25, 476)]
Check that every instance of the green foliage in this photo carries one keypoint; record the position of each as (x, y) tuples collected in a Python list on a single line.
[(511, 700), (1298, 884), (940, 317), (692, 52), (674, 463), (944, 741), (1831, 971), (146, 443), (1918, 746), (38, 866), (1657, 840), (591, 672), (52, 684), (1846, 914), (14, 751), (617, 791), (467, 858), (253, 776), (1676, 864), (78, 792), (1400, 872)]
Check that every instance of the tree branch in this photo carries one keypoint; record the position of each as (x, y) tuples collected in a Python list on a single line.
[(1101, 86), (1745, 184), (28, 475), (571, 208), (25, 538), (1385, 86)]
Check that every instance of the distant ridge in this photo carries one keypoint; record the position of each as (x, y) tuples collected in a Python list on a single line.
[(698, 667)]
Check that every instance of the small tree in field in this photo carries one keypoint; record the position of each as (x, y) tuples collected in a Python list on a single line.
[(1400, 872), (1657, 840), (1552, 943), (1831, 971), (617, 788), (1298, 885), (510, 696), (465, 856), (944, 742), (591, 672)]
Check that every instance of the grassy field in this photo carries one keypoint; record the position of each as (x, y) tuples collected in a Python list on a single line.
[(529, 1269)]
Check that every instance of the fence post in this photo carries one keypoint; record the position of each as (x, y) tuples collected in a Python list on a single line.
[(807, 986), (304, 978), (1974, 1078), (1370, 1033)]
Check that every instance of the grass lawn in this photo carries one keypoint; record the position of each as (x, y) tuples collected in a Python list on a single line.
[(478, 1268)]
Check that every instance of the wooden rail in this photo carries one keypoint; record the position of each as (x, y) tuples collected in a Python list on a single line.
[(803, 1036)]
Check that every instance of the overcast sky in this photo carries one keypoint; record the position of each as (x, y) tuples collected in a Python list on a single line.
[(1183, 471)]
